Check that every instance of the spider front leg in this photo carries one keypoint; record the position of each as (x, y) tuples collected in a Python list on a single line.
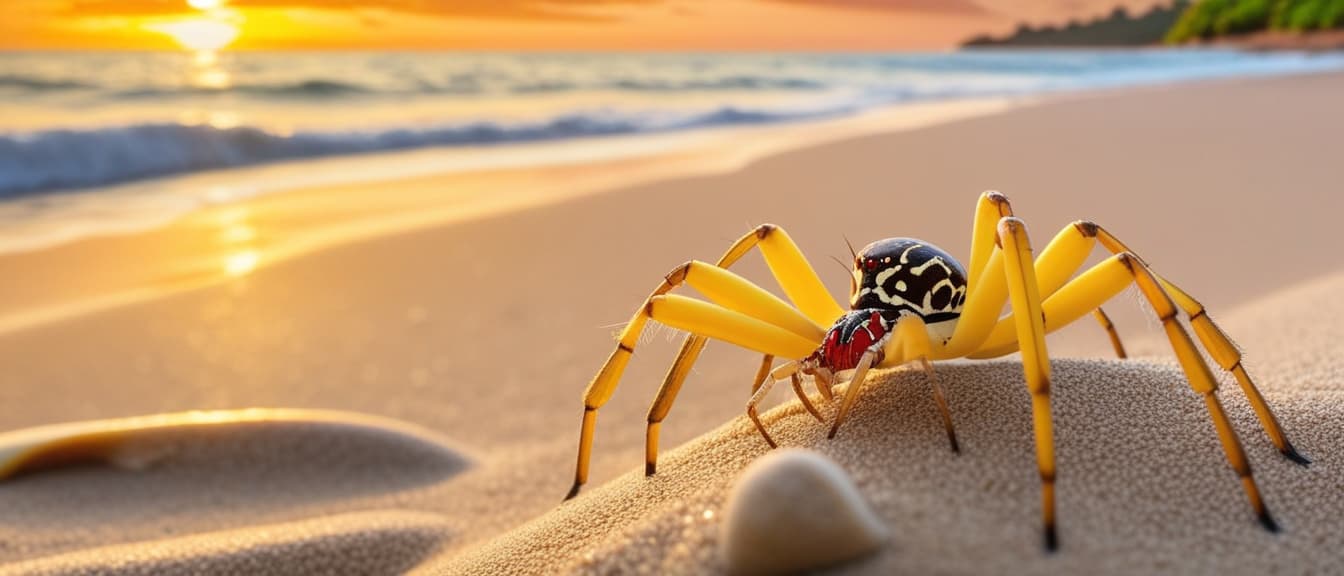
[(908, 342), (800, 283), (764, 383), (743, 314)]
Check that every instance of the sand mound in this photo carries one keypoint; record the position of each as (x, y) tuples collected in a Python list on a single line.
[(196, 472), (1143, 486), (361, 543)]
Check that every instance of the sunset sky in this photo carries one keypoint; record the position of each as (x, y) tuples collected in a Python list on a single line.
[(523, 24)]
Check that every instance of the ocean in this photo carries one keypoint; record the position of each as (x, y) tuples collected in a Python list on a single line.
[(118, 133)]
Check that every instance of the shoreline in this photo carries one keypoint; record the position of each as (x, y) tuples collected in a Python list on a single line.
[(214, 243)]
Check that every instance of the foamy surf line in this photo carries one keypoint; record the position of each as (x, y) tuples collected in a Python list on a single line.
[(241, 109), (62, 159)]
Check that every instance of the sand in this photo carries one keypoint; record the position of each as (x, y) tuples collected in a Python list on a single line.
[(1143, 486), (486, 331)]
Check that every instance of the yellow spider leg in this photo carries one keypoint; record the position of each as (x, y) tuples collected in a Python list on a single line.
[(1218, 344), (852, 393), (910, 342), (721, 323), (791, 269), (824, 381), (1223, 351), (991, 207), (737, 293), (979, 313), (798, 280), (1026, 299), (1112, 276), (1061, 258), (1094, 286), (767, 362), (1110, 331), (728, 322), (940, 399)]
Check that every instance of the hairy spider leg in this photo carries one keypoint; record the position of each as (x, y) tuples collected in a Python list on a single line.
[(800, 283), (1069, 250), (979, 312), (743, 314), (1112, 276)]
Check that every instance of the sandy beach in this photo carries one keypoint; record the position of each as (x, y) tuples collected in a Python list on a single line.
[(482, 332)]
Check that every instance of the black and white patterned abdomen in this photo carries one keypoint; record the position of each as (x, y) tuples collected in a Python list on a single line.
[(908, 276)]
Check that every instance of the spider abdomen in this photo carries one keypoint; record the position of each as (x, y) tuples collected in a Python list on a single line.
[(908, 276)]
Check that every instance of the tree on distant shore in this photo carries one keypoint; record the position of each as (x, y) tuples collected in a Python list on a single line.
[(1214, 18), (1117, 28)]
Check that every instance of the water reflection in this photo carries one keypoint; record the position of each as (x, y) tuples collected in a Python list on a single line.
[(238, 237), (241, 263), (207, 72)]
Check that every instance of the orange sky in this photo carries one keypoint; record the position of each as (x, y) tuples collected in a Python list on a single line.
[(522, 24)]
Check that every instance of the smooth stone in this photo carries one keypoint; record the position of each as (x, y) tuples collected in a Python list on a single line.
[(794, 510)]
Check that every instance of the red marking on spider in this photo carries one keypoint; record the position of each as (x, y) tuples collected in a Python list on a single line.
[(838, 354)]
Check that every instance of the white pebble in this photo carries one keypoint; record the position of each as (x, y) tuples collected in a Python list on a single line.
[(794, 510)]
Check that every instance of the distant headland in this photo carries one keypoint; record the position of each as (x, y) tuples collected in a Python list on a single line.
[(1251, 24)]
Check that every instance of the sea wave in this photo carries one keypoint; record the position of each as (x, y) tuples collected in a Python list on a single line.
[(63, 159), (34, 83), (458, 84)]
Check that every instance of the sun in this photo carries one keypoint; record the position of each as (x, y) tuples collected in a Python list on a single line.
[(199, 34)]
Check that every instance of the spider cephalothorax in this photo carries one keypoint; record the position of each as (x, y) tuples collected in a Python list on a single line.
[(902, 276)]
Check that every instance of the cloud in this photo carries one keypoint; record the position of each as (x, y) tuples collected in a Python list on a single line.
[(482, 9), (927, 6)]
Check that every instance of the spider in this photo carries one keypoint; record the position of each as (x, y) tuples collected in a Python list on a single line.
[(912, 303)]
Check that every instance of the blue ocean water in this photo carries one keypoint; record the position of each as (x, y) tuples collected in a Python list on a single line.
[(83, 120)]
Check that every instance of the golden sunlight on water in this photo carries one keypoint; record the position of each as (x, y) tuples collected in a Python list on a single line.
[(241, 263), (206, 71), (241, 256)]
